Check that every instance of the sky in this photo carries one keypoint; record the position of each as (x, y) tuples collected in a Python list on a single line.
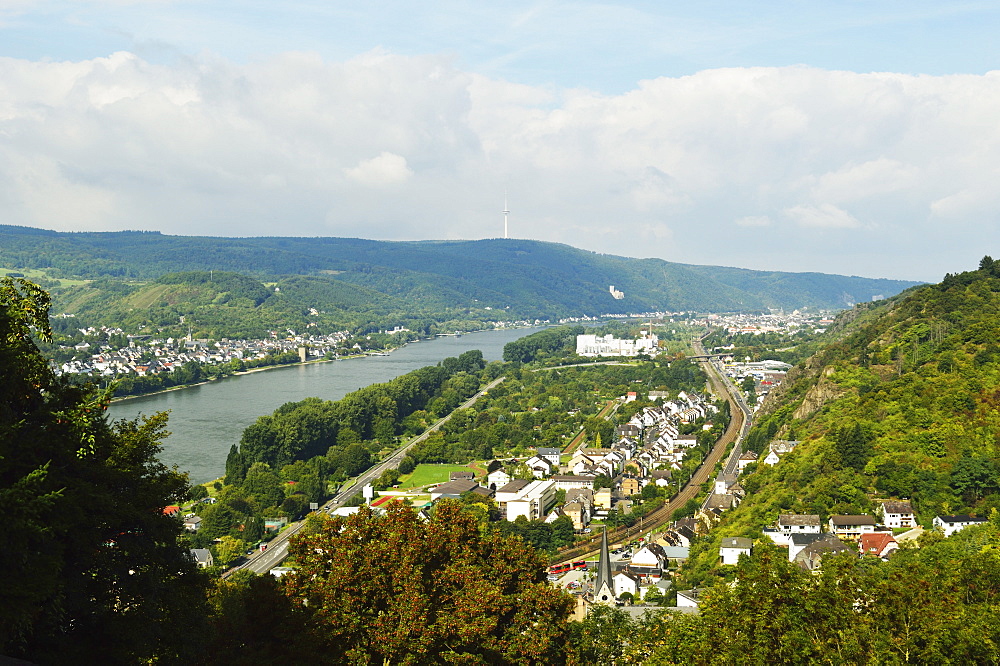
[(858, 137)]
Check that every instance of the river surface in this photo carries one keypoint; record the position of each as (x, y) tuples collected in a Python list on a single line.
[(206, 420)]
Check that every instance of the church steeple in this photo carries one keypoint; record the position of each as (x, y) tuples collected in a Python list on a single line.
[(604, 591)]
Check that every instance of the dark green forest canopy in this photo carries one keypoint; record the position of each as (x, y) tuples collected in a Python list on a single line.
[(515, 278), (94, 570)]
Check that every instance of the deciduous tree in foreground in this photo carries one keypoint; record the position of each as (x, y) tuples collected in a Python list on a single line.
[(395, 589)]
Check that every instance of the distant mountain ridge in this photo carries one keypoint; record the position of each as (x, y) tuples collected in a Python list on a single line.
[(523, 277)]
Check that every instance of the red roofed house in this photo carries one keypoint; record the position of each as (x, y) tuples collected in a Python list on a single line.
[(879, 544), (171, 510)]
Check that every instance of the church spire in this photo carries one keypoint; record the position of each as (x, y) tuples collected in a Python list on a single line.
[(604, 591)]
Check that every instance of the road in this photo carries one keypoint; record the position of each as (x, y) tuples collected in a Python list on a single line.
[(277, 548)]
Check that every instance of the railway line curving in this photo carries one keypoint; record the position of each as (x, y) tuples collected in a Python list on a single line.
[(664, 514)]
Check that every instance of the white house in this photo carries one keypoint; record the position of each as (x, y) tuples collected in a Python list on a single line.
[(731, 549), (748, 458), (799, 523), (951, 524), (897, 513), (202, 557), (550, 454), (498, 478), (688, 598), (852, 526), (539, 466), (626, 581), (651, 555)]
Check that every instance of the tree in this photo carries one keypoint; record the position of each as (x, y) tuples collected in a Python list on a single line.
[(94, 570), (229, 548), (854, 445), (263, 485), (253, 622), (602, 636), (394, 589)]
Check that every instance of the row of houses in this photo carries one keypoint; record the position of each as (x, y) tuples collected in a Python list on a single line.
[(148, 357)]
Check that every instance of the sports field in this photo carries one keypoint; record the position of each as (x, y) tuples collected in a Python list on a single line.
[(424, 475)]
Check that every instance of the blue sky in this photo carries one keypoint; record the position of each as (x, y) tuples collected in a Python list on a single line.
[(606, 47), (845, 137)]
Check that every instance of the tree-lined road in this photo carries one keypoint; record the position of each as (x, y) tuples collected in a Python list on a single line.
[(277, 548)]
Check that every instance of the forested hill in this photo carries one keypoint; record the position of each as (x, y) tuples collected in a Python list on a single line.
[(525, 278), (904, 405)]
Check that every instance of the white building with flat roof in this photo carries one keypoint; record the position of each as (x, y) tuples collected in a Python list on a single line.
[(531, 501), (609, 345)]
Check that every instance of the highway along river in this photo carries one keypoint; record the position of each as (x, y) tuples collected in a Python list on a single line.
[(206, 420)]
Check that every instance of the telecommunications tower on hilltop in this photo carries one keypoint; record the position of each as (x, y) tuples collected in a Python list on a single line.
[(506, 212)]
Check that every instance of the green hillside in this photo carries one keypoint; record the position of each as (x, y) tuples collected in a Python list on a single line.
[(525, 279), (903, 404), (221, 304)]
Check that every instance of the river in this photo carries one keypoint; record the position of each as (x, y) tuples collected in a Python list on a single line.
[(207, 419)]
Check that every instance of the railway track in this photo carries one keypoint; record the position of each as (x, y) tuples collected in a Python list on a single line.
[(664, 514)]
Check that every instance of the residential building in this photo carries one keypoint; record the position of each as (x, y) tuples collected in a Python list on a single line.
[(731, 548), (497, 478), (531, 501), (578, 510), (798, 542), (630, 486), (202, 557), (799, 523), (951, 524), (897, 513), (852, 526), (550, 454), (650, 555), (811, 557), (540, 467), (746, 459), (879, 544)]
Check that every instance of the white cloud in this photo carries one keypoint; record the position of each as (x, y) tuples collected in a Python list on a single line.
[(207, 146), (386, 169), (824, 216)]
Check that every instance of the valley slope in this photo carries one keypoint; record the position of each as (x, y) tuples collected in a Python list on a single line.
[(439, 279), (902, 404)]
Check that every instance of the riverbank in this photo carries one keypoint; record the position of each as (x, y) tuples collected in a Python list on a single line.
[(241, 373), (205, 421)]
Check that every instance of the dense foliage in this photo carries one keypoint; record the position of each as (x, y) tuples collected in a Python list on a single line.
[(902, 404), (937, 604), (395, 589), (94, 570)]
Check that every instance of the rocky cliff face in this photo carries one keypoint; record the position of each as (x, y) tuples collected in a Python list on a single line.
[(821, 393)]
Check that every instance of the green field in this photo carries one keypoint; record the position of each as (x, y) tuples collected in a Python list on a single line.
[(36, 274), (424, 475)]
